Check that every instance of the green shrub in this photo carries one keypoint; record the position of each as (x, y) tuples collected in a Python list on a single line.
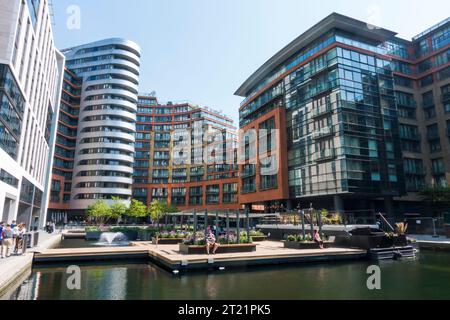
[(125, 229), (92, 229)]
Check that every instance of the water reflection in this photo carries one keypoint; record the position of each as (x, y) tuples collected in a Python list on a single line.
[(426, 278)]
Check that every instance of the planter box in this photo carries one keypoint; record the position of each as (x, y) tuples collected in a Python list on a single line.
[(259, 238), (93, 235), (400, 241), (146, 236), (167, 241), (305, 245), (224, 248)]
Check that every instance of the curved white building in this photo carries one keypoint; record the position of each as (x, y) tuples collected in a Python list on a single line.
[(104, 156)]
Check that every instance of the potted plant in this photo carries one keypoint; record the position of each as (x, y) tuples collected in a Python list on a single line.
[(172, 237), (196, 244), (399, 239), (257, 236), (300, 242)]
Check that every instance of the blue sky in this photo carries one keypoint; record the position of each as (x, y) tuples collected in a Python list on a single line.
[(202, 50)]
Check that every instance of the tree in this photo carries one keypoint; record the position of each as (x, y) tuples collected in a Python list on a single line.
[(137, 209), (118, 208), (158, 209), (437, 196), (100, 211)]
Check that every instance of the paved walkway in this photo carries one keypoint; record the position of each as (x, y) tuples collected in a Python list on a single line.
[(267, 252), (428, 238), (14, 268)]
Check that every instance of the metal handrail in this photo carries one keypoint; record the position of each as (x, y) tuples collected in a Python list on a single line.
[(384, 220)]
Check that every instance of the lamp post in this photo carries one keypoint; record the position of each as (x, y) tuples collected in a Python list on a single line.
[(206, 222), (319, 222), (311, 215), (238, 221), (435, 235), (195, 226), (247, 213), (228, 226), (217, 224)]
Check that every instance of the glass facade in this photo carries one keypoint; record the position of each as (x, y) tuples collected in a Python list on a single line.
[(11, 112), (343, 127)]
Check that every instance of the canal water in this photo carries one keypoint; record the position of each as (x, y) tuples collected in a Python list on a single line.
[(427, 277)]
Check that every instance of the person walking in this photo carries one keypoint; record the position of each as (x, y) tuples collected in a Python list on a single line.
[(15, 231), (7, 241), (20, 238)]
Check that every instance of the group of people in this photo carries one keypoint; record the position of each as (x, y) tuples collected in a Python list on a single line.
[(11, 239)]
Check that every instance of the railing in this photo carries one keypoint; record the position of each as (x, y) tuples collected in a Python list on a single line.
[(384, 224), (322, 110), (432, 135), (325, 155)]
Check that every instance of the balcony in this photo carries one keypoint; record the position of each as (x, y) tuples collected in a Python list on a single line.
[(248, 172), (427, 104), (248, 189), (408, 104), (323, 133), (416, 137), (433, 135), (195, 193), (322, 111), (445, 97), (325, 155)]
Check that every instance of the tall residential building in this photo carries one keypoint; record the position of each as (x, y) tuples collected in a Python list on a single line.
[(336, 94), (99, 105), (422, 83), (185, 156), (31, 72), (65, 144)]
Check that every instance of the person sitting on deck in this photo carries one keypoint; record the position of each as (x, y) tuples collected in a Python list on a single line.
[(211, 241), (318, 239)]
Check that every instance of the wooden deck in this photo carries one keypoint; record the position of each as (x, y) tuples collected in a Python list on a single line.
[(169, 257)]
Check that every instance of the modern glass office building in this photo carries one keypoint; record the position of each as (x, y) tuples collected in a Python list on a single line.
[(31, 72), (334, 94)]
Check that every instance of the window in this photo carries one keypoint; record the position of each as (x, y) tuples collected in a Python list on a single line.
[(33, 6), (438, 166), (7, 178)]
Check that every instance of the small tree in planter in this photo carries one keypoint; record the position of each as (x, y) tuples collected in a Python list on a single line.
[(137, 210), (118, 208), (155, 211), (159, 209), (100, 211)]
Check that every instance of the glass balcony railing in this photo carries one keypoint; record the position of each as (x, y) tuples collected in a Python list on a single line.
[(323, 133), (322, 110), (445, 97), (325, 155), (432, 135)]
